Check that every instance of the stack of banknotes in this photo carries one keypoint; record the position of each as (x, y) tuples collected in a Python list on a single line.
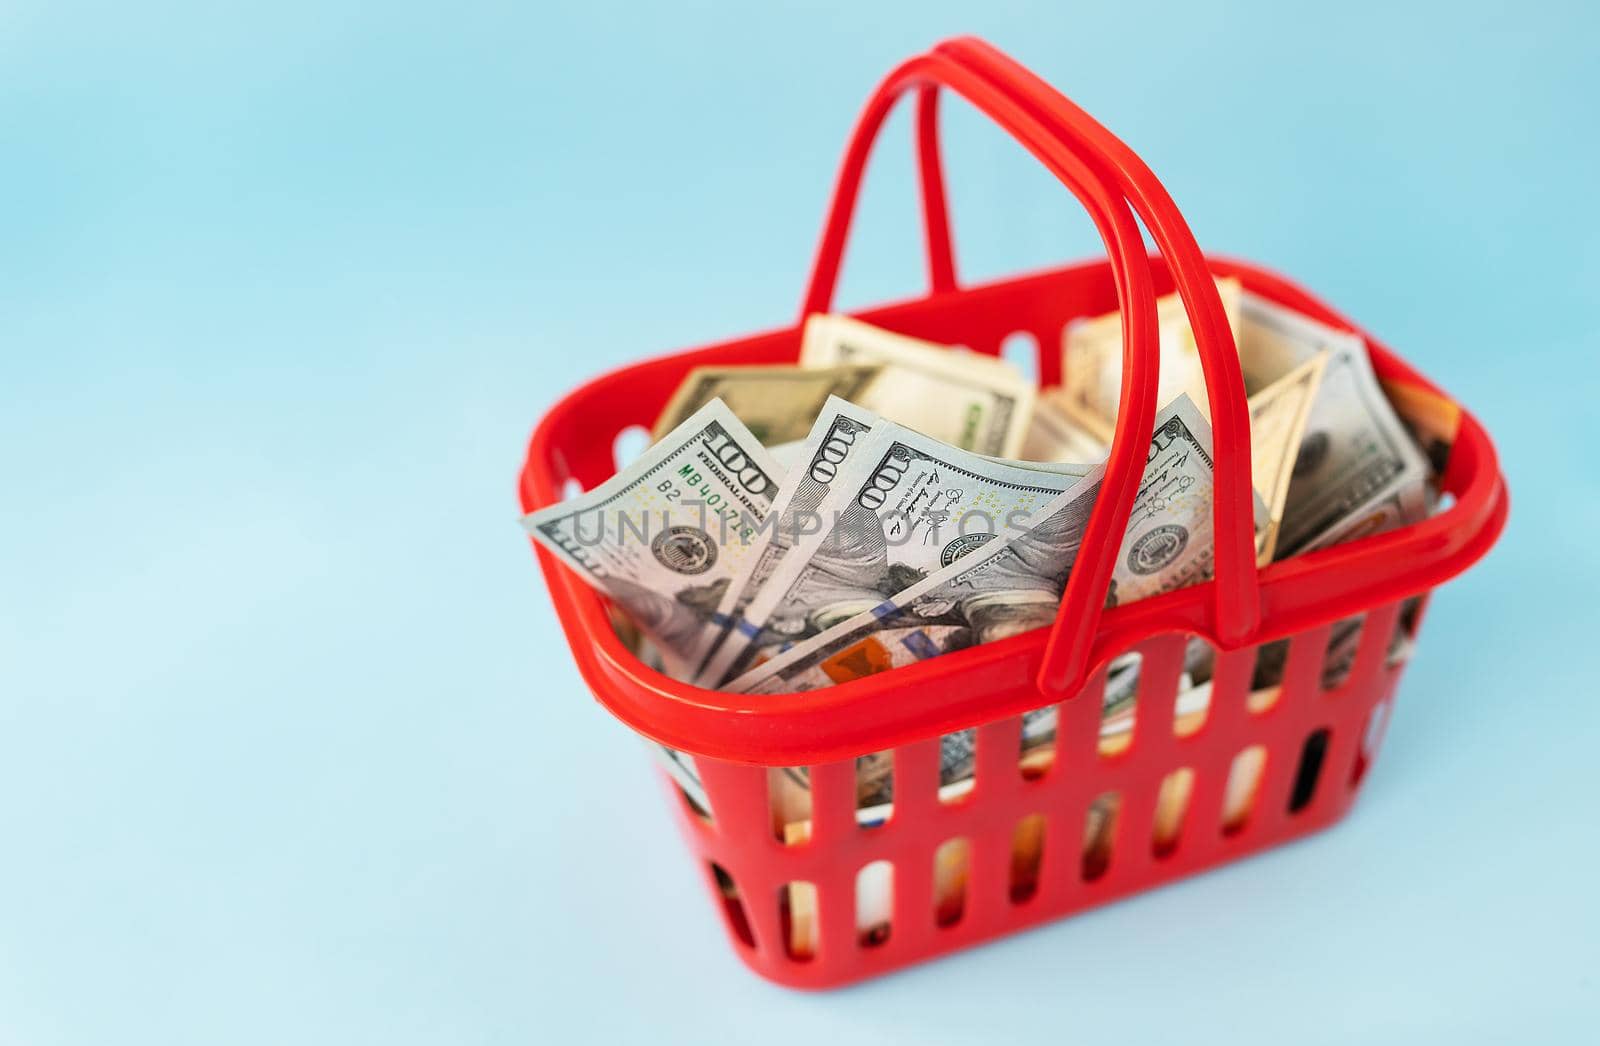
[(887, 500)]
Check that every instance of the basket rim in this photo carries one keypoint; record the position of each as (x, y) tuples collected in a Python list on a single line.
[(994, 680)]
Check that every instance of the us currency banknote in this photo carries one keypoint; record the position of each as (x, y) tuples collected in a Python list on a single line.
[(1279, 414), (1282, 391), (1059, 468), (1014, 584), (665, 535), (1169, 541), (1357, 471), (787, 455), (974, 402), (1091, 362), (840, 429), (776, 403), (908, 505), (1053, 435)]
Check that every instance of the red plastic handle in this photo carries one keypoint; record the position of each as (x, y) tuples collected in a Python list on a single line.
[(1238, 603), (1080, 146), (935, 212), (1085, 593)]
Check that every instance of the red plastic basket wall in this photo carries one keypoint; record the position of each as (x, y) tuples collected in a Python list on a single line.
[(1317, 742)]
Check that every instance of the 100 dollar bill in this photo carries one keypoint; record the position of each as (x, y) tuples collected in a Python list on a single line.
[(665, 535), (1356, 471), (1091, 362), (974, 402), (1053, 435), (1013, 584), (1278, 418), (776, 403), (906, 506), (840, 429)]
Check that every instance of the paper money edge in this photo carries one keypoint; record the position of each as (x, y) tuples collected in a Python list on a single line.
[(719, 655), (625, 478), (780, 583)]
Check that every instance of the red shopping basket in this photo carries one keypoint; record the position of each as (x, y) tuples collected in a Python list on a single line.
[(1309, 747)]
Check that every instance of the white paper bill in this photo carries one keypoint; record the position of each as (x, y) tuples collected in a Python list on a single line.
[(665, 535)]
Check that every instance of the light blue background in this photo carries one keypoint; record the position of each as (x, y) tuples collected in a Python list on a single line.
[(290, 750)]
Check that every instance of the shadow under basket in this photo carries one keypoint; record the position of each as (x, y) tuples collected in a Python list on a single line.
[(1295, 715)]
